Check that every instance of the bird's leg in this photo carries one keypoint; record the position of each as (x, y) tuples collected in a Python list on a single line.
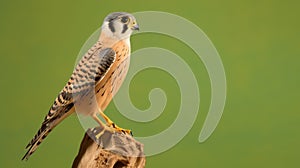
[(99, 121), (101, 125), (112, 124)]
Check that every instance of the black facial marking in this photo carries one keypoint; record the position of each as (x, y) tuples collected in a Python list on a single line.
[(111, 26), (124, 19), (125, 27)]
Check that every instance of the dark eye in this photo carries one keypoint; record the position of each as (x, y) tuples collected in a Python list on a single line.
[(124, 19)]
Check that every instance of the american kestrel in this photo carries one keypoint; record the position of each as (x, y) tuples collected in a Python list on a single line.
[(95, 79)]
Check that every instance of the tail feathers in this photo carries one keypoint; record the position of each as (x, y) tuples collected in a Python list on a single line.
[(46, 128), (55, 115), (37, 135), (36, 141), (42, 133)]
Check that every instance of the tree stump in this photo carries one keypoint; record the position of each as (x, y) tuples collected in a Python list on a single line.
[(101, 148)]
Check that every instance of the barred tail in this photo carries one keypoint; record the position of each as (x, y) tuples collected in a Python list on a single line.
[(51, 120), (37, 140)]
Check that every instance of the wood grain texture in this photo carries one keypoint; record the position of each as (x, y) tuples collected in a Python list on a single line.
[(110, 150)]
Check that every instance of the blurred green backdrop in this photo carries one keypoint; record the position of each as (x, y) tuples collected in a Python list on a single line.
[(259, 45)]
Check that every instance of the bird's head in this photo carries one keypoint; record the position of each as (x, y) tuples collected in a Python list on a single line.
[(119, 25)]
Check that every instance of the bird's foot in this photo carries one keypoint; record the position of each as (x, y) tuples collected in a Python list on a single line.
[(119, 129)]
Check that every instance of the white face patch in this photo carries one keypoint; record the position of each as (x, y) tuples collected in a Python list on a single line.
[(115, 28)]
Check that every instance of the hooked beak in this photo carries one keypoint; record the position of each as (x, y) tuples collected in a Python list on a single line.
[(135, 27)]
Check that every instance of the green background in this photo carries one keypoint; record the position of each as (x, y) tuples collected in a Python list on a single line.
[(258, 42)]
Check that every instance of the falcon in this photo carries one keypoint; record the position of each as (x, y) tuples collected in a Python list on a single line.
[(95, 80)]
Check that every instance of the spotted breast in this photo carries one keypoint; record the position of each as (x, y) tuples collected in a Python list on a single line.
[(110, 84)]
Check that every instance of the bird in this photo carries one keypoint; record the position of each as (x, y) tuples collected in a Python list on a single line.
[(95, 79)]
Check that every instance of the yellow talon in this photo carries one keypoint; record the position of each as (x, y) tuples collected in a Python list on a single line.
[(121, 130), (109, 123)]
